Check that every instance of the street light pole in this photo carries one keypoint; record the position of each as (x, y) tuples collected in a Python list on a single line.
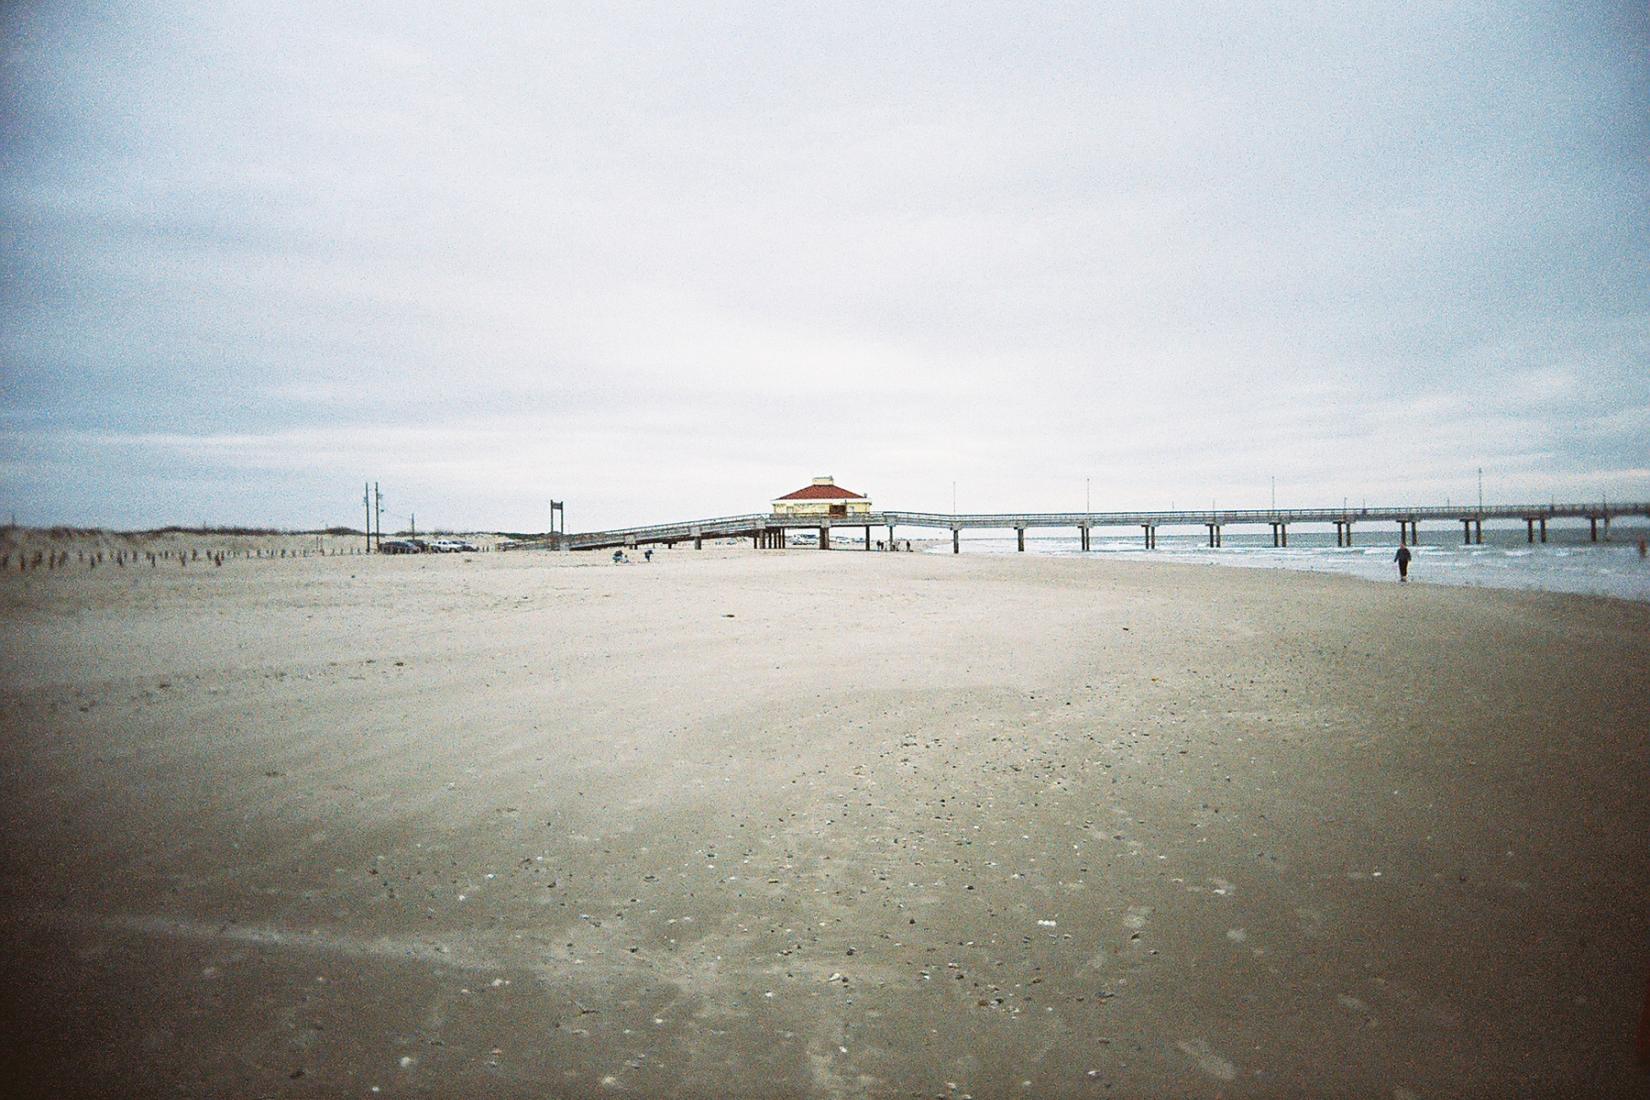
[(1088, 505)]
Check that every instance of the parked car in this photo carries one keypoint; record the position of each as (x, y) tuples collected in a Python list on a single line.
[(399, 546)]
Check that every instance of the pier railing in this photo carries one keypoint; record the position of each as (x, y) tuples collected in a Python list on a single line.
[(1221, 516)]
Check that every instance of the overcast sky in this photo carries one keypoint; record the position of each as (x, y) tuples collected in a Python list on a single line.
[(666, 261)]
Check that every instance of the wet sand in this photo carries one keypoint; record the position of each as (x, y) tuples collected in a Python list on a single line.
[(746, 823)]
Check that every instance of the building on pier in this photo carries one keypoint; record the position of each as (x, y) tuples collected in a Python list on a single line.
[(823, 498)]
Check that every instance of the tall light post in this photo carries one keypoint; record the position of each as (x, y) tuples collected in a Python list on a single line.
[(1088, 505), (1274, 494), (1480, 490), (953, 498)]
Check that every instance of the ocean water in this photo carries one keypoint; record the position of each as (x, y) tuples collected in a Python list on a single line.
[(1568, 562)]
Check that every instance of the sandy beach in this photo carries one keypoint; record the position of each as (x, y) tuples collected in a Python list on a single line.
[(740, 823)]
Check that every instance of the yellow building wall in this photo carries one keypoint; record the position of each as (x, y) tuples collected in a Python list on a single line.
[(819, 507)]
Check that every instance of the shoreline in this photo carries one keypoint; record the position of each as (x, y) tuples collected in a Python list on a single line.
[(1612, 570), (1608, 568)]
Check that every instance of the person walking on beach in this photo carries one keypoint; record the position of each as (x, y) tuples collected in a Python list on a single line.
[(1402, 558)]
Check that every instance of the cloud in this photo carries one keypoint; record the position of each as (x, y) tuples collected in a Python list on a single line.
[(652, 259)]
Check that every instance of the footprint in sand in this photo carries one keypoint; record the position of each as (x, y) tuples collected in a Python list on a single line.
[(1136, 916), (1351, 1004), (1207, 1060)]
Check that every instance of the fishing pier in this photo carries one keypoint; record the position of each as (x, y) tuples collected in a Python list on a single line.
[(770, 530)]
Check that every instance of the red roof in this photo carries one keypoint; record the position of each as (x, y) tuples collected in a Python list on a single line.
[(821, 492)]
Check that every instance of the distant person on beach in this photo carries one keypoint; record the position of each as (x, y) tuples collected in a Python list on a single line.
[(648, 554), (1402, 558), (619, 558)]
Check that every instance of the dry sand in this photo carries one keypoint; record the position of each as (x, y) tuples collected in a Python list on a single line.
[(746, 823)]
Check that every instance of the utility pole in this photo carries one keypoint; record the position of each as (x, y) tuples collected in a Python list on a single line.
[(378, 506), (412, 525), (366, 501)]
